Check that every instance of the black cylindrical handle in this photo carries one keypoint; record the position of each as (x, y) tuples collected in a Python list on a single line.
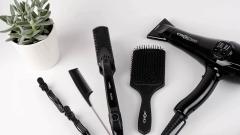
[(50, 94), (71, 116), (81, 84), (63, 109), (175, 122)]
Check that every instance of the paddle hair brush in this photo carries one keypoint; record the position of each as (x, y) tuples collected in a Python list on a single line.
[(147, 76)]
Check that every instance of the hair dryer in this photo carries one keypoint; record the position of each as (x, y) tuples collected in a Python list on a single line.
[(221, 58)]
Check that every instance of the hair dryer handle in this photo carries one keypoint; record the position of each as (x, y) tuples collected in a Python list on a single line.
[(200, 93), (189, 104)]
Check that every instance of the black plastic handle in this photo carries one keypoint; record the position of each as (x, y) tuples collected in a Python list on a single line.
[(113, 106), (200, 93), (63, 109), (145, 115), (194, 100)]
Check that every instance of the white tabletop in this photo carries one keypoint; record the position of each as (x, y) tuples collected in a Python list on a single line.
[(26, 110)]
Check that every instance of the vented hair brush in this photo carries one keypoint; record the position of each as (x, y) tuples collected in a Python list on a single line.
[(147, 76)]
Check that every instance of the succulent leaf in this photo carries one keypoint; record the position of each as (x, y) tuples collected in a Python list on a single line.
[(46, 31), (17, 4), (10, 39), (47, 15), (49, 22), (27, 8), (34, 14), (7, 30), (9, 20), (33, 3), (27, 32), (12, 10), (47, 7), (22, 7), (14, 35), (15, 8), (3, 18), (26, 42), (38, 4), (21, 40), (23, 23), (43, 2), (41, 37)]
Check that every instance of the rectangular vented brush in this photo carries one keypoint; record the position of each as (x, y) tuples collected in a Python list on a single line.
[(147, 76)]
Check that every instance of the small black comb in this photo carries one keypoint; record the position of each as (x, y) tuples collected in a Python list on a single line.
[(147, 76)]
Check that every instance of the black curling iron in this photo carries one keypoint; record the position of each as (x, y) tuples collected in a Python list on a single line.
[(220, 57), (107, 68), (63, 109)]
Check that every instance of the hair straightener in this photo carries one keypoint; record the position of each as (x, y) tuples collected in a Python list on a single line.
[(107, 68), (220, 57)]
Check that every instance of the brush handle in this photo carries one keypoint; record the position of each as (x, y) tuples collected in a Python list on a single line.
[(145, 115)]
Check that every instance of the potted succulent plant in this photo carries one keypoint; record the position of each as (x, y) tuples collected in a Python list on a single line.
[(33, 33)]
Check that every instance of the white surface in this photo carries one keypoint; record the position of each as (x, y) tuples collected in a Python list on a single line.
[(42, 55), (25, 109)]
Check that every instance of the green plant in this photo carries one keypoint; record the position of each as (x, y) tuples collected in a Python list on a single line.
[(29, 21)]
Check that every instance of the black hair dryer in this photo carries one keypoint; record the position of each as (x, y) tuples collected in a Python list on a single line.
[(221, 58)]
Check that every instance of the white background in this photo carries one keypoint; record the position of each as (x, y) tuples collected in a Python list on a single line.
[(26, 110)]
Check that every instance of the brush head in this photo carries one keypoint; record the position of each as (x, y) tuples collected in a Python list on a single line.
[(103, 46), (148, 68)]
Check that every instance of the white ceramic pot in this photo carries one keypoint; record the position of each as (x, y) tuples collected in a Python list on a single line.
[(42, 55)]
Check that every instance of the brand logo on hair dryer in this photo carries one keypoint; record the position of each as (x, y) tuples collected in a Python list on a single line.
[(186, 37)]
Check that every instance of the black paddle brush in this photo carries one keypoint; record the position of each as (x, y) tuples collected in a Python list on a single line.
[(147, 76)]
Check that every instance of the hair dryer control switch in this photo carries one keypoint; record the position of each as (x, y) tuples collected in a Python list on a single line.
[(222, 50)]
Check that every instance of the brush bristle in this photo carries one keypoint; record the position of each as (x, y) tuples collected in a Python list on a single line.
[(102, 43), (148, 66)]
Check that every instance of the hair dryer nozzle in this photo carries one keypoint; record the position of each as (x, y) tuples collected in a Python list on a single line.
[(158, 31)]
